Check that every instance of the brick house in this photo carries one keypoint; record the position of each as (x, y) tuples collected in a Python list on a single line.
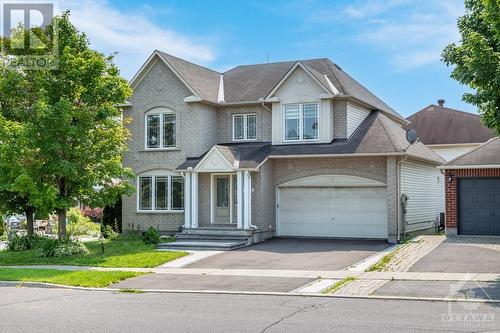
[(295, 148), (472, 191)]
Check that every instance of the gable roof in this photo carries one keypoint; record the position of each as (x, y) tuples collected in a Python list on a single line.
[(252, 83), (440, 125), (486, 155)]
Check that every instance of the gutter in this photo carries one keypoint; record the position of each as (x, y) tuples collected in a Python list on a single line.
[(461, 167)]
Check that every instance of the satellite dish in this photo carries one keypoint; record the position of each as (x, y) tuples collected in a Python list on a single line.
[(411, 136)]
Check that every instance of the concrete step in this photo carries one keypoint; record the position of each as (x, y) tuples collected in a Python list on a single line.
[(210, 237), (217, 231), (202, 245)]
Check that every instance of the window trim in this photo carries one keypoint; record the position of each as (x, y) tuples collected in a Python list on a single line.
[(301, 122), (245, 126), (169, 193), (161, 112)]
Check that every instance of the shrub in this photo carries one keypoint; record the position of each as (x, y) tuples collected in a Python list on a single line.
[(47, 247), (151, 236), (108, 232), (79, 225), (22, 243), (2, 227), (70, 248), (60, 248)]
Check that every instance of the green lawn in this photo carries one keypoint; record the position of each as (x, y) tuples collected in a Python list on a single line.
[(117, 253), (95, 279)]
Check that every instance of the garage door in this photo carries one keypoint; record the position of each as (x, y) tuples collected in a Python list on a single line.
[(479, 206), (333, 212)]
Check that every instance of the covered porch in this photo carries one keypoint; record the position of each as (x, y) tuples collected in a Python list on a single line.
[(217, 193)]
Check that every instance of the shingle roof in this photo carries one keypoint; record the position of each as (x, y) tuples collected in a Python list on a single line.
[(378, 135), (486, 154), (440, 125), (202, 80), (250, 83)]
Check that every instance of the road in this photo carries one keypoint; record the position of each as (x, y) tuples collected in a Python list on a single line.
[(59, 310)]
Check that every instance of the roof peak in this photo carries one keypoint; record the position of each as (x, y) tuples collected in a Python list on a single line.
[(281, 62), (187, 61)]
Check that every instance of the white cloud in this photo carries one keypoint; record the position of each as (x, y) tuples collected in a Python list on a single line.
[(133, 35), (415, 35), (372, 8)]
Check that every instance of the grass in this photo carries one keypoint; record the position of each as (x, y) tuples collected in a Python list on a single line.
[(117, 253), (339, 284), (379, 266), (94, 279)]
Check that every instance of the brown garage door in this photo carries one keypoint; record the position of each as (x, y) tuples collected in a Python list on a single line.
[(479, 206)]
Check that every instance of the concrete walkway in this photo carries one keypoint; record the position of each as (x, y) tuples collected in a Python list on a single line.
[(407, 276)]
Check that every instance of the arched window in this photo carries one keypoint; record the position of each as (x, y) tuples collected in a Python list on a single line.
[(160, 191), (161, 131)]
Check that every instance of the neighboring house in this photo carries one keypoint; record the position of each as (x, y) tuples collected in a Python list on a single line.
[(296, 148), (473, 191), (449, 132)]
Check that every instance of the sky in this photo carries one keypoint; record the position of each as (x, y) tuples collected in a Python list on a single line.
[(393, 47)]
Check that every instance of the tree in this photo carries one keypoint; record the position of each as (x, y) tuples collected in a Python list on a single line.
[(477, 58), (75, 131)]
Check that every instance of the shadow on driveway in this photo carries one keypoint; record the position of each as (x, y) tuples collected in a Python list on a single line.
[(295, 254)]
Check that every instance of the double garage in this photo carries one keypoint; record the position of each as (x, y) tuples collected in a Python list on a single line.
[(332, 206)]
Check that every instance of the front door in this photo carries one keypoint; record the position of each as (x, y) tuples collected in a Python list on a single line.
[(222, 199)]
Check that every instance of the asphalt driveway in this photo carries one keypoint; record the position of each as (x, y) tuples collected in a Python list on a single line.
[(295, 254), (462, 255)]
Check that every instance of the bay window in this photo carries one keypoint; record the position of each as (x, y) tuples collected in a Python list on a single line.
[(160, 193), (301, 122), (244, 127), (160, 130)]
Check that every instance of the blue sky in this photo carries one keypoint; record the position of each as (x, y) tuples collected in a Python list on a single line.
[(392, 47)]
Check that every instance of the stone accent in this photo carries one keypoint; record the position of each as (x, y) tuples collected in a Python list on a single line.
[(393, 221), (360, 288), (411, 252), (451, 193)]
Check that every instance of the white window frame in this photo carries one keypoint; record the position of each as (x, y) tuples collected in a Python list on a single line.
[(160, 112), (153, 193), (245, 128), (301, 121)]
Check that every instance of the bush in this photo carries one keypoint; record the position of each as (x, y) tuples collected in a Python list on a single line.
[(151, 237), (2, 227), (79, 225), (23, 243), (47, 247), (50, 247), (108, 232)]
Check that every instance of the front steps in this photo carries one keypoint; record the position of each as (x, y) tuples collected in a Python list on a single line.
[(214, 239)]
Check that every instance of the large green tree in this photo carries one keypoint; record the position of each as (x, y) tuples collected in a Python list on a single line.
[(477, 58), (75, 130)]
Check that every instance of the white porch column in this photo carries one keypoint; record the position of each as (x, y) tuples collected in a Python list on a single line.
[(187, 200), (247, 200), (194, 200), (239, 199)]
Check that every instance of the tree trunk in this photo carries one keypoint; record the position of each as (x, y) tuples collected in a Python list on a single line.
[(61, 223), (29, 211)]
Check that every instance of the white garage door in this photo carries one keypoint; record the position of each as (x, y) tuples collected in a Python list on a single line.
[(333, 212)]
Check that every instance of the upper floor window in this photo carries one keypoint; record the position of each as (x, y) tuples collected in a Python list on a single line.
[(244, 127), (157, 193), (160, 129), (301, 122)]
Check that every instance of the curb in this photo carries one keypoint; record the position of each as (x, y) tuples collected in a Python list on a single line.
[(44, 285)]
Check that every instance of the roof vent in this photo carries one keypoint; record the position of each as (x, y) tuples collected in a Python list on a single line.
[(441, 102)]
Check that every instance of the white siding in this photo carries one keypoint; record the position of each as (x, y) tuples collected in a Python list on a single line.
[(355, 116), (424, 185)]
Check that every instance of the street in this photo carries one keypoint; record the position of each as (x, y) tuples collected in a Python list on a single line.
[(60, 310)]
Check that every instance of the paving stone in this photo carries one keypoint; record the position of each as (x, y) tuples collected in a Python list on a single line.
[(360, 288)]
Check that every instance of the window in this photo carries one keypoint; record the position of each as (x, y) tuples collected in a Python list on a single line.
[(167, 194), (160, 130), (301, 122), (244, 127)]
